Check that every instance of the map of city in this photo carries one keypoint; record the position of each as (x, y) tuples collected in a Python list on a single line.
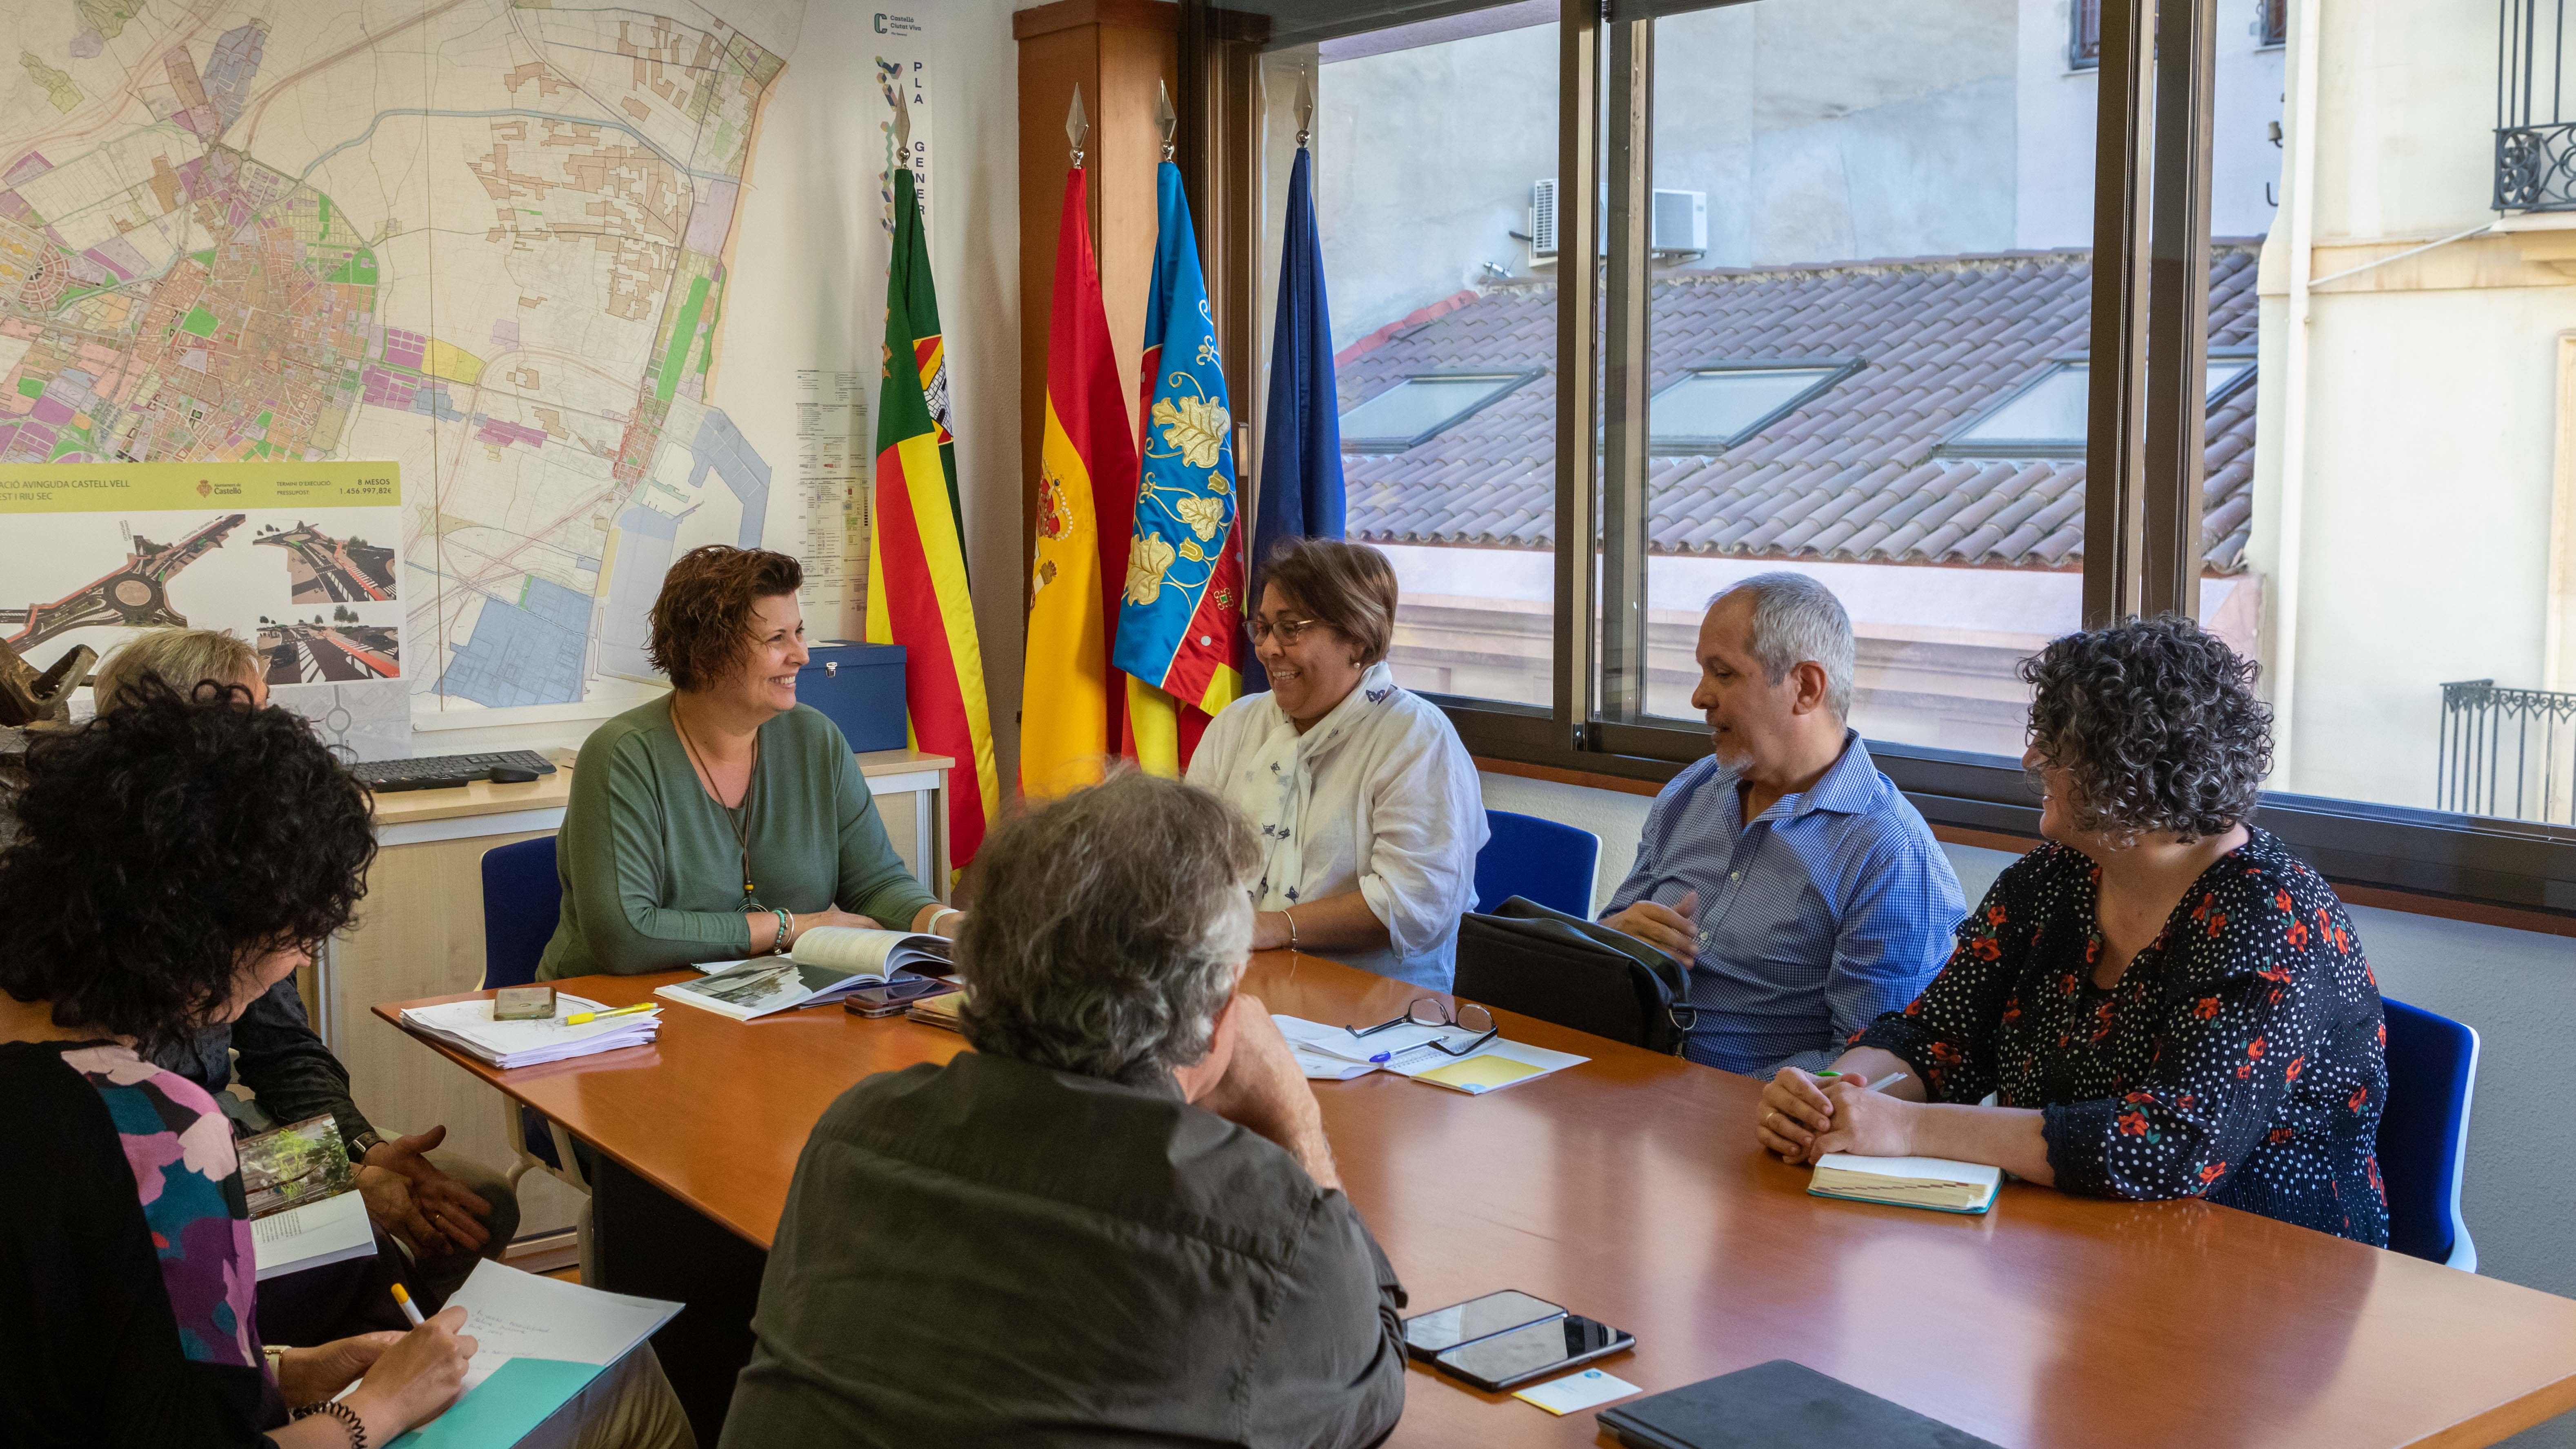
[(495, 242)]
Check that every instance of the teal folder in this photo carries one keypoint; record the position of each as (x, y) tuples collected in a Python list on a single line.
[(501, 1410)]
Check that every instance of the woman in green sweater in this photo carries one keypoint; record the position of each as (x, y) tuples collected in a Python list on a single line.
[(723, 820)]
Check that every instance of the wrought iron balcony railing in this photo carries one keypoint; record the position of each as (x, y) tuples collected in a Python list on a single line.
[(2535, 139), (2507, 753)]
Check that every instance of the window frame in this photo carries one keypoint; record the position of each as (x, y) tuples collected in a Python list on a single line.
[(2144, 456), (1511, 382), (2077, 59), (1832, 371)]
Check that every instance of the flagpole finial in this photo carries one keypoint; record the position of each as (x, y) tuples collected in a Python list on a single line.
[(1077, 126), (1167, 118), (903, 123), (1305, 105)]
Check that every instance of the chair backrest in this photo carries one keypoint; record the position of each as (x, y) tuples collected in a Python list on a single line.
[(2424, 1131), (1554, 865), (521, 897)]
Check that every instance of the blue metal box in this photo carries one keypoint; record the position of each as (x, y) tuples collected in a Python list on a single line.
[(860, 688)]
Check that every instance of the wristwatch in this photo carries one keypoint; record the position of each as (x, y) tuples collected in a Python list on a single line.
[(360, 1145)]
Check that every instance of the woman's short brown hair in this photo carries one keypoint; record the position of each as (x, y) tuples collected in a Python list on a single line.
[(702, 620), (1350, 586)]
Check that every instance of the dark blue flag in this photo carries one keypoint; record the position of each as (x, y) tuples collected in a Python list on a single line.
[(1300, 486)]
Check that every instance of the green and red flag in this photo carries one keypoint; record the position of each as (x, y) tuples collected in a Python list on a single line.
[(916, 552)]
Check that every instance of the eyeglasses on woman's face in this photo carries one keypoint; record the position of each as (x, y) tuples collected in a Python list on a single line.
[(1259, 630)]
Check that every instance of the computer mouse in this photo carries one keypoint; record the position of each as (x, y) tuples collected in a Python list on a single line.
[(508, 775)]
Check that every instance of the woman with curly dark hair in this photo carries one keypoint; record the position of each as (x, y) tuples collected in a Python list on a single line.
[(723, 820), (2161, 1002), (178, 858)]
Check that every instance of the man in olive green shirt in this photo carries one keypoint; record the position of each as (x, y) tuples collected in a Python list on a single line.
[(1117, 1220), (653, 865)]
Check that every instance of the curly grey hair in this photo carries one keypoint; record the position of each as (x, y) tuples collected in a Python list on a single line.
[(1795, 620), (1107, 929)]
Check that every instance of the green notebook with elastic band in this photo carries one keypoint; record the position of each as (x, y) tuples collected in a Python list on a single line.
[(1937, 1183)]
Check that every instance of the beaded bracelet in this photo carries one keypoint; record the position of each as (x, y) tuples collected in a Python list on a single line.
[(347, 1416), (786, 928)]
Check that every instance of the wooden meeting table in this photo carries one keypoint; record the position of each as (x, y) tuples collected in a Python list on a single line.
[(1630, 1189)]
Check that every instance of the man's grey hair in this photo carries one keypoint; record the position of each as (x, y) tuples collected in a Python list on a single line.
[(1106, 929), (1797, 620)]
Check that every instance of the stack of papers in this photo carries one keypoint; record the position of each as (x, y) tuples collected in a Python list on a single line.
[(1331, 1053), (538, 1341), (468, 1026)]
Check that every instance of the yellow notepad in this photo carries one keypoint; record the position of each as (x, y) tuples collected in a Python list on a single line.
[(1479, 1073)]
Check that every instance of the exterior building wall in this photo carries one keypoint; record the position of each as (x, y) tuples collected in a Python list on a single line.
[(2058, 106), (2431, 412)]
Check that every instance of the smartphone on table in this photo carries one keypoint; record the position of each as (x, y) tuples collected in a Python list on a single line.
[(895, 995), (1428, 1335), (1530, 1352)]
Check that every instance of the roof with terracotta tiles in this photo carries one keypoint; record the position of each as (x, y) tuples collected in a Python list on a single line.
[(1852, 474)]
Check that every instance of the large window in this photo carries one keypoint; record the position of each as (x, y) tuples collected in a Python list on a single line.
[(1847, 315), (1430, 143)]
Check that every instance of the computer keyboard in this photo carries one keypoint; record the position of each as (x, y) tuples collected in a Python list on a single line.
[(441, 772)]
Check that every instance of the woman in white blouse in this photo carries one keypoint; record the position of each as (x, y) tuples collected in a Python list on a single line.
[(1368, 808)]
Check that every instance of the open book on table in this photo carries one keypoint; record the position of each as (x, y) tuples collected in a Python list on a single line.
[(825, 963), (305, 1209)]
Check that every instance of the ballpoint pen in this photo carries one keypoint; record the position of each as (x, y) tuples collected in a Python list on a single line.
[(579, 1017)]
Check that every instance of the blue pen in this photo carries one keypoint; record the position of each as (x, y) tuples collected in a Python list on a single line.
[(1381, 1057)]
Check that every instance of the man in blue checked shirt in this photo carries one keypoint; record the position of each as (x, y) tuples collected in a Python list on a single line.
[(1805, 894)]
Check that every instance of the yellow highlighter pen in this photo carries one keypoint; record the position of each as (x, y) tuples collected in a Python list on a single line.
[(579, 1017)]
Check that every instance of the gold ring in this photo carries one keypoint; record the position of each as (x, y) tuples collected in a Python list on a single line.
[(1767, 1116)]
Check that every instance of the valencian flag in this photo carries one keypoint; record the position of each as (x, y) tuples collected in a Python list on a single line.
[(1183, 600), (1086, 504), (916, 553), (1301, 444)]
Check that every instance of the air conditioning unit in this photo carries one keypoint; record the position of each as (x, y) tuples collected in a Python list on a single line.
[(1680, 222), (1677, 222), (1542, 218)]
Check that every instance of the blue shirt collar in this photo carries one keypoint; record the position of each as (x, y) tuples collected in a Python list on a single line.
[(1849, 785)]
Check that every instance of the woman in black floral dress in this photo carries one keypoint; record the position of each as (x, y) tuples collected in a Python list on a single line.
[(2163, 1000)]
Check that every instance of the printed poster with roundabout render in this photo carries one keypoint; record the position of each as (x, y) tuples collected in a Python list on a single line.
[(281, 554)]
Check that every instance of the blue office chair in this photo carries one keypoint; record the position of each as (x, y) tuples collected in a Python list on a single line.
[(1554, 865), (522, 896), (2424, 1133)]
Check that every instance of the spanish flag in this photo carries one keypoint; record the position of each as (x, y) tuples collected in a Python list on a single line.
[(1183, 598), (916, 553), (1086, 502)]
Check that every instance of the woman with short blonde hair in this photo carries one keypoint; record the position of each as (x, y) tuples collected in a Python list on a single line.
[(184, 659)]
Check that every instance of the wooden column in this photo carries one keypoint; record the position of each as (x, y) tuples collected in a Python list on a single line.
[(1117, 51)]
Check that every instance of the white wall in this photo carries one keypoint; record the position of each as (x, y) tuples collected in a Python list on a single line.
[(2429, 411), (2058, 108)]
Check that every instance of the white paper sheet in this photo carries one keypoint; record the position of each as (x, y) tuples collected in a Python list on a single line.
[(1392, 1044), (511, 1314)]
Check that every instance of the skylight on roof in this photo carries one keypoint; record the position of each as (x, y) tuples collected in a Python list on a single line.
[(1718, 406), (1421, 408), (2046, 417)]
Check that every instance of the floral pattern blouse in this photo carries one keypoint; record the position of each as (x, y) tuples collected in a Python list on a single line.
[(180, 1147), (2241, 1057)]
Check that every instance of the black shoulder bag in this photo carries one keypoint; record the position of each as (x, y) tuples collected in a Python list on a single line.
[(1576, 973)]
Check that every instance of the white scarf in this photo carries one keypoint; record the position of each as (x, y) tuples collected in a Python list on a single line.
[(1277, 784)]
